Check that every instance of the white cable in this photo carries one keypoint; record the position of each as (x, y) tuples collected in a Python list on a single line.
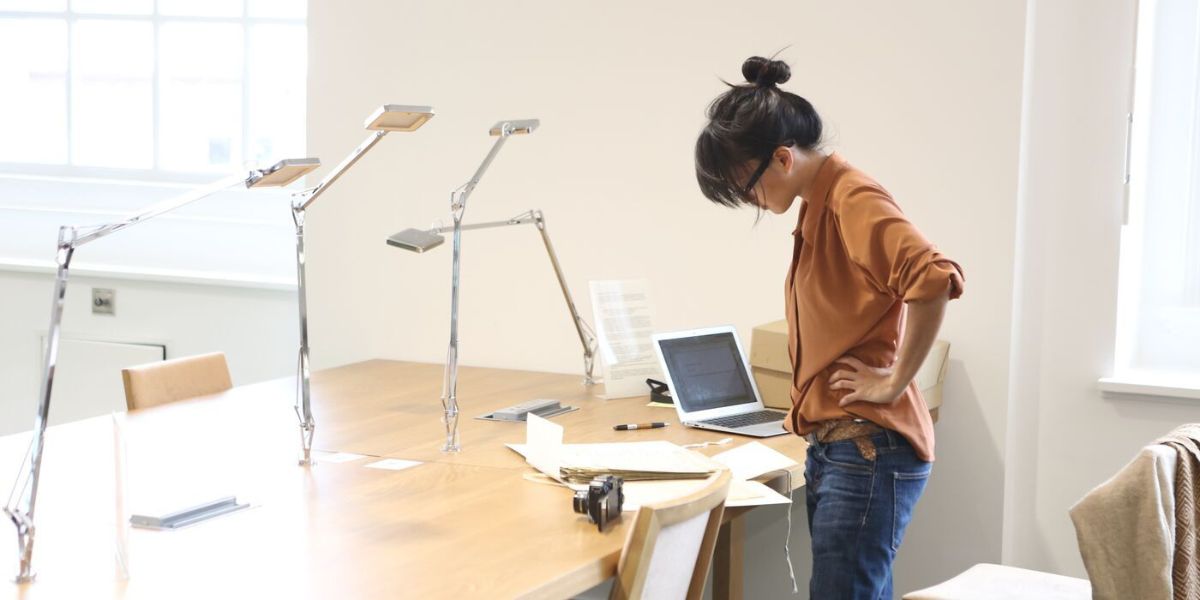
[(787, 552), (720, 442)]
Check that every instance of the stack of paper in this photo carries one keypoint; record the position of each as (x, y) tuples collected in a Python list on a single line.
[(633, 461), (747, 462), (653, 471)]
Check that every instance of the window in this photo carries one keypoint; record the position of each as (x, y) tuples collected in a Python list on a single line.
[(107, 106), (126, 88), (1159, 307)]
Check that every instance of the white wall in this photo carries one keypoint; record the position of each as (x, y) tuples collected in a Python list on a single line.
[(217, 275), (923, 95), (255, 328), (1066, 437)]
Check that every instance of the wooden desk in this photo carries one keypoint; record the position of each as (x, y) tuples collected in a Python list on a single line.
[(462, 525)]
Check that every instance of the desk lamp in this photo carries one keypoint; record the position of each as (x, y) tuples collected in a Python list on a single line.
[(23, 497), (420, 241), (386, 119)]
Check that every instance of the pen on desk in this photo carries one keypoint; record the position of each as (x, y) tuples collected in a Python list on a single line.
[(632, 426)]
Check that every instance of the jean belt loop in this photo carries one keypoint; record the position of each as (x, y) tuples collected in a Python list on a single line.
[(891, 438)]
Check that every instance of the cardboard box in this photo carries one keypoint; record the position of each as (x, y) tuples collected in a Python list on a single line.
[(932, 374), (772, 369), (775, 387), (770, 364), (769, 347)]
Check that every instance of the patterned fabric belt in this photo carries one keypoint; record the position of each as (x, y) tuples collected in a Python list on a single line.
[(859, 432)]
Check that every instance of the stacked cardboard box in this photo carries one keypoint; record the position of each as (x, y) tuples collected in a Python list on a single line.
[(772, 368)]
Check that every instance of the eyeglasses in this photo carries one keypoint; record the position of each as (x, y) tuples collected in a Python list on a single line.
[(762, 168), (758, 173)]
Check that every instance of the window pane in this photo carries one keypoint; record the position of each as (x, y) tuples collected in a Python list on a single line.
[(277, 92), (201, 8), (112, 100), (200, 102), (280, 9), (1160, 289), (33, 106), (113, 7), (34, 5), (1171, 153)]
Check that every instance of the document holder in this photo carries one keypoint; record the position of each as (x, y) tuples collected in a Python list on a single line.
[(519, 412), (188, 516)]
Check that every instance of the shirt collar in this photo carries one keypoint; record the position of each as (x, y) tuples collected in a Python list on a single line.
[(814, 205)]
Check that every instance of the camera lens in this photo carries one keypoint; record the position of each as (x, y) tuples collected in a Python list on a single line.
[(581, 502)]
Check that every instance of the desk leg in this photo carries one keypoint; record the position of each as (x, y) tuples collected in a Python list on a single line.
[(729, 560)]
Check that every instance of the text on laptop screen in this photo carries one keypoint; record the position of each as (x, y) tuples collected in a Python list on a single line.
[(707, 372)]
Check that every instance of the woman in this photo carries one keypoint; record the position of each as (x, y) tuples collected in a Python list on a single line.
[(866, 293)]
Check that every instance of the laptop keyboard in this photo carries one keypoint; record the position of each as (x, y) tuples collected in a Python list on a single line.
[(747, 419)]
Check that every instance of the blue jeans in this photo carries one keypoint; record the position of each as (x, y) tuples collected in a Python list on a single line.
[(857, 512)]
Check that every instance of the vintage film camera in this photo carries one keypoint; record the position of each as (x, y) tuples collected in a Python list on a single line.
[(602, 501)]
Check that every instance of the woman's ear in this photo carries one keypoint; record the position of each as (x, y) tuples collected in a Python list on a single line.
[(783, 154)]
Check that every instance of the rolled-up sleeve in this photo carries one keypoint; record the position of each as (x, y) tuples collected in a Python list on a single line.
[(892, 251)]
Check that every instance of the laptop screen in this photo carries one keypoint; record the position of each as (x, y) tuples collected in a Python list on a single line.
[(707, 371)]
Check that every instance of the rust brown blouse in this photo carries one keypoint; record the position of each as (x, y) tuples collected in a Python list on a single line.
[(857, 260)]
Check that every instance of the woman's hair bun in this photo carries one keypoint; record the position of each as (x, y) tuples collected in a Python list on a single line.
[(765, 72)]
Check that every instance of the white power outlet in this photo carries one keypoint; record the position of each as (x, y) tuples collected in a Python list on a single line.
[(104, 301)]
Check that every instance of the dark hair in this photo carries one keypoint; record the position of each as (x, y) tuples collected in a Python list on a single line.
[(747, 123)]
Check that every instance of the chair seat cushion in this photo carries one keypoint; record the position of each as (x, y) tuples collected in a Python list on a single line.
[(997, 582)]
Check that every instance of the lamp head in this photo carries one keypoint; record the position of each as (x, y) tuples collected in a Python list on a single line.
[(514, 127), (282, 172), (415, 240), (399, 117)]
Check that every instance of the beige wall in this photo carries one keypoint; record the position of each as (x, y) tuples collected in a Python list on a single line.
[(923, 95), (1066, 437)]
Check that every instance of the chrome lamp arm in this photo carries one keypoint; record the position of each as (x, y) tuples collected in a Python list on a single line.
[(458, 207), (22, 500), (386, 119), (587, 337)]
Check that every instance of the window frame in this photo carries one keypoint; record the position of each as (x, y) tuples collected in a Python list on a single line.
[(1132, 375), (155, 173)]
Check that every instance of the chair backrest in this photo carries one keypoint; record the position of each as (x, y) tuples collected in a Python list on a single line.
[(166, 381), (670, 546)]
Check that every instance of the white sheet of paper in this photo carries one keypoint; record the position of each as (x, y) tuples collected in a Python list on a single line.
[(337, 457), (543, 443), (753, 459), (392, 464), (660, 455), (741, 493), (624, 320), (753, 493)]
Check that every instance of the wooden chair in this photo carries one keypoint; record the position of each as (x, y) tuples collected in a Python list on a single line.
[(670, 547), (166, 381)]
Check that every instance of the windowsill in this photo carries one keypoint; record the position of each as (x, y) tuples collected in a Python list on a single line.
[(1153, 384), (98, 175), (238, 280)]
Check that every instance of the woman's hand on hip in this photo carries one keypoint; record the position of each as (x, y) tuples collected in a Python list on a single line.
[(877, 385)]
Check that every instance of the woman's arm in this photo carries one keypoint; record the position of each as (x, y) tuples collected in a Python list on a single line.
[(885, 385)]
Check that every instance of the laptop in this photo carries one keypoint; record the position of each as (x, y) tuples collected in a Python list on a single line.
[(710, 380)]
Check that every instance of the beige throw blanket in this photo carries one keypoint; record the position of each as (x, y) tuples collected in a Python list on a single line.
[(1126, 529), (1185, 570)]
